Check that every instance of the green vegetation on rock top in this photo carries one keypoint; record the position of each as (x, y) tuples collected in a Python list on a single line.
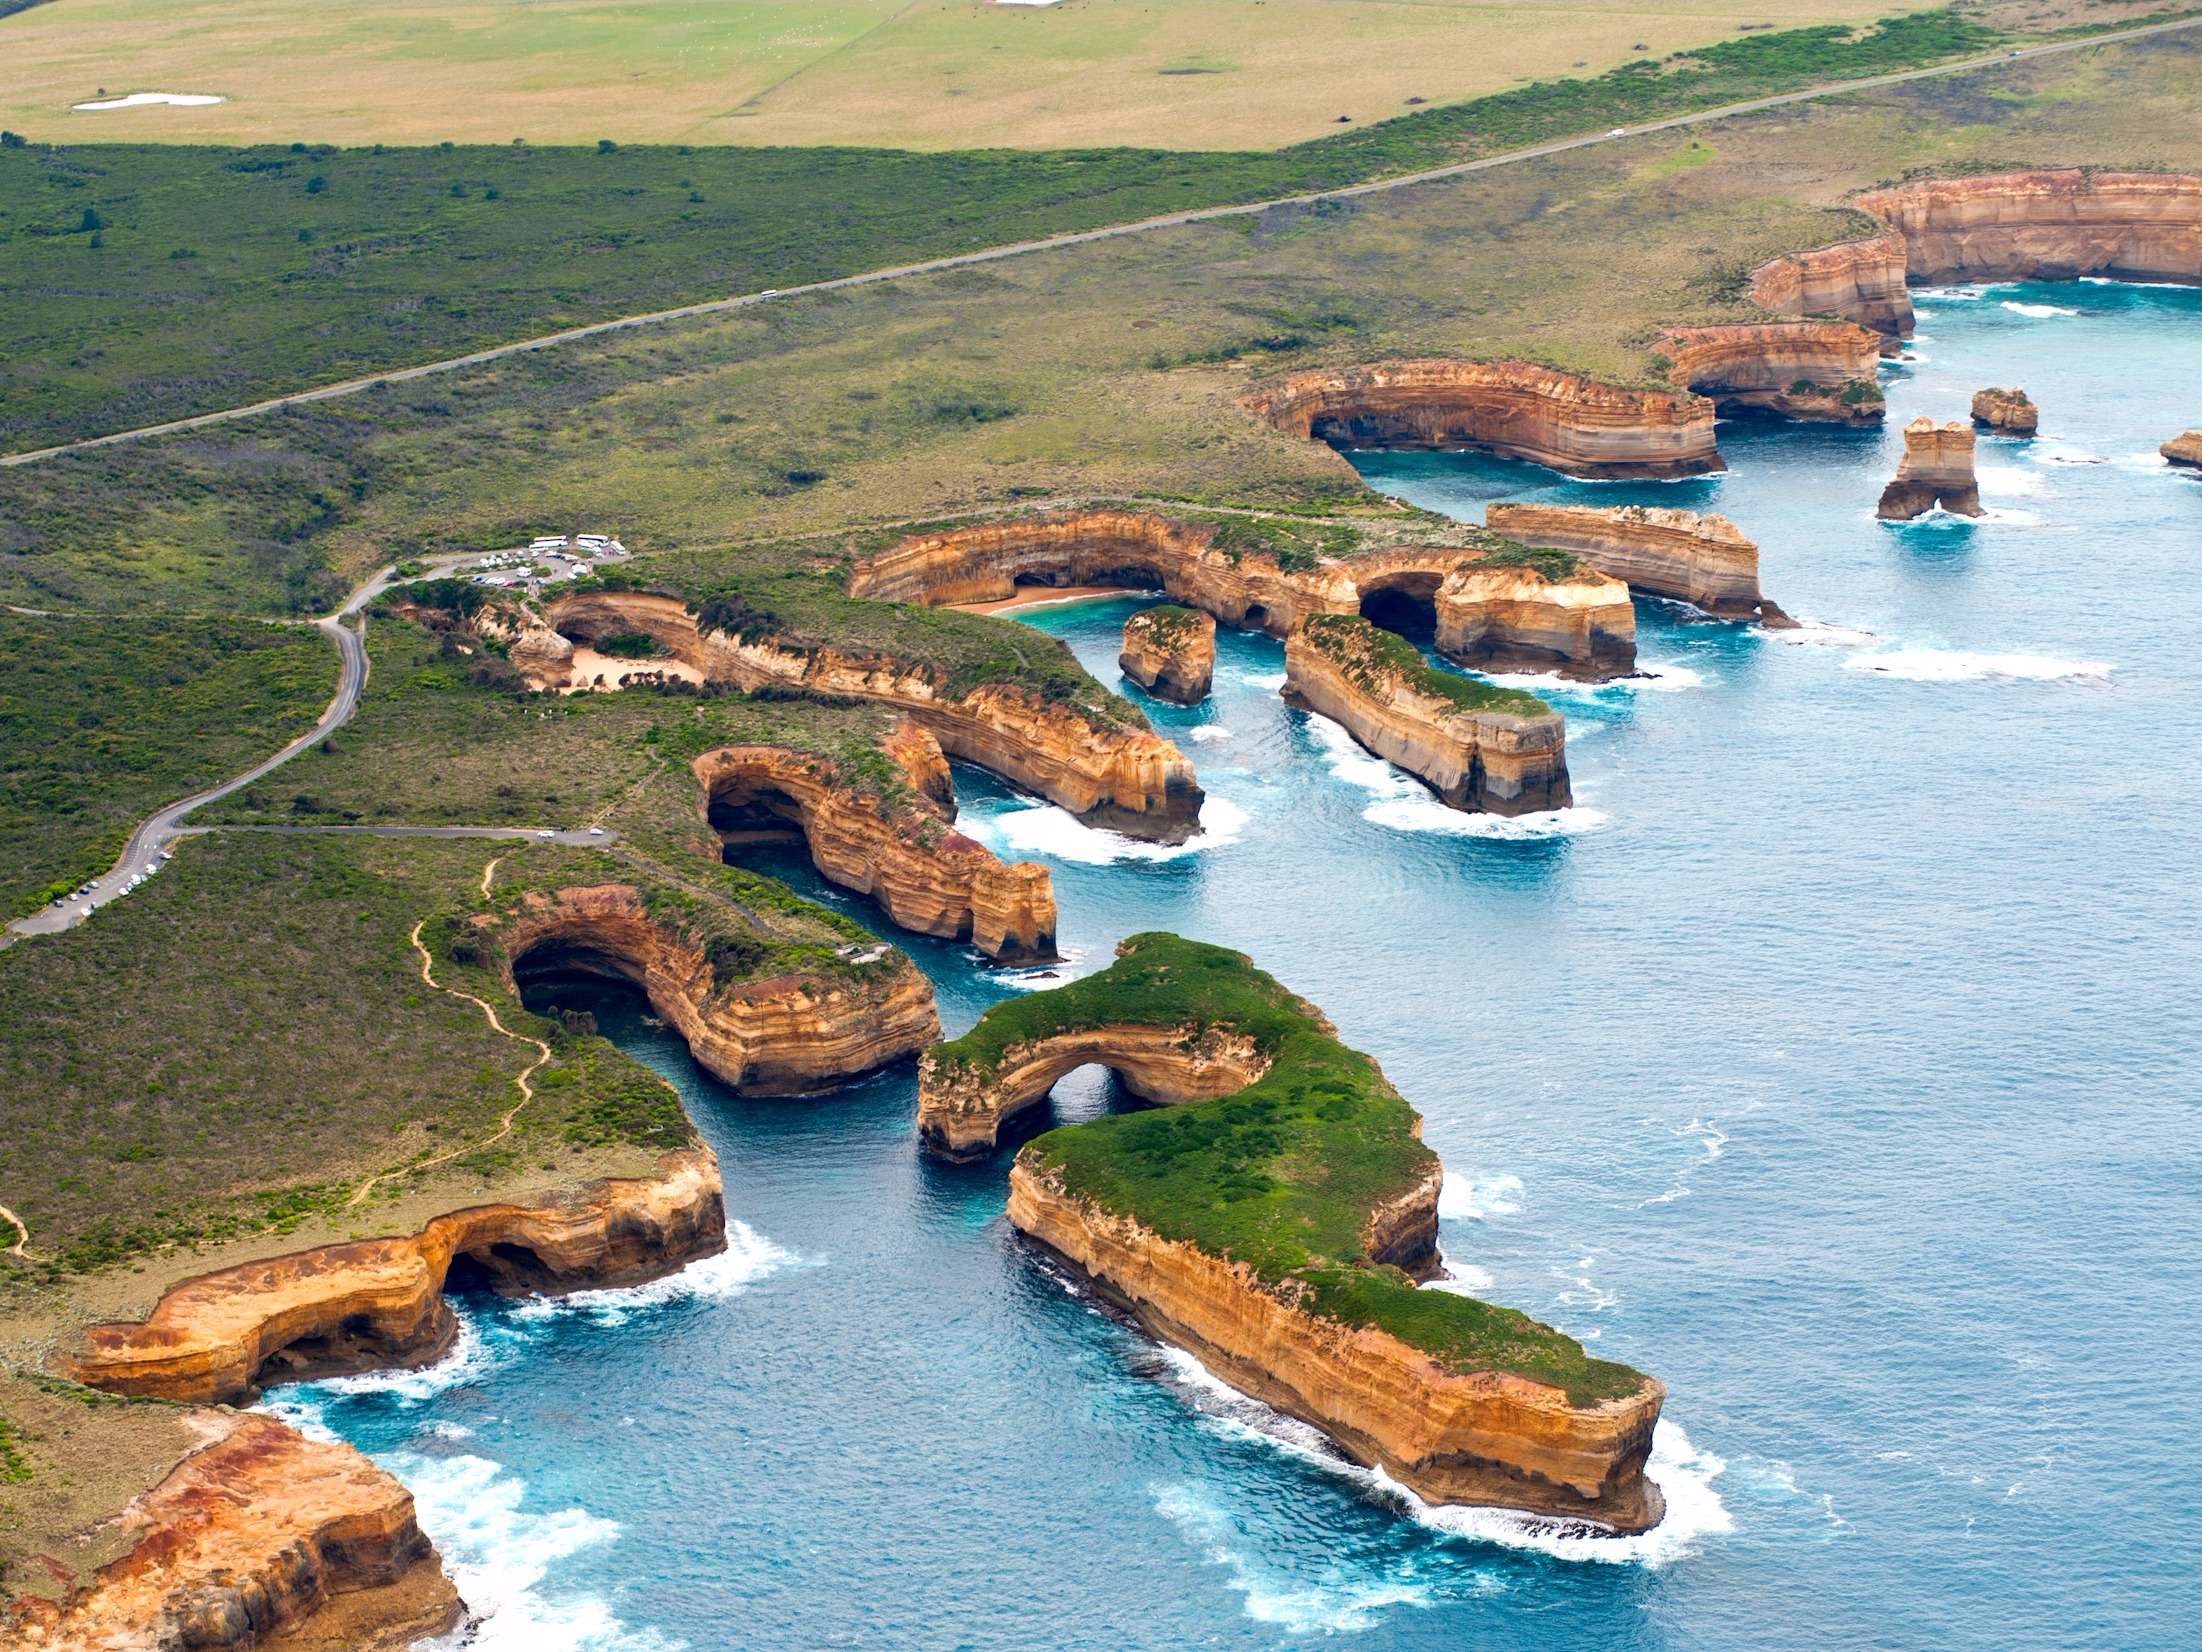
[(1284, 1175), (1368, 655)]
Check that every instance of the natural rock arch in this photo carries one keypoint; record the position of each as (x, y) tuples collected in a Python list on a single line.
[(1403, 600)]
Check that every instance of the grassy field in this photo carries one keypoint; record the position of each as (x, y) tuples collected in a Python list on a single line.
[(1049, 377), (937, 74), (102, 721), (309, 264), (1283, 1175)]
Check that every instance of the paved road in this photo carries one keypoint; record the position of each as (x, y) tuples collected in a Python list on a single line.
[(164, 827), (1139, 226)]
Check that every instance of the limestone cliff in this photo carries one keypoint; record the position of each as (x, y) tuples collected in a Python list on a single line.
[(1485, 1437), (1573, 424), (2046, 225), (961, 1112), (1937, 469), (258, 1534), (1480, 748), (1115, 775), (782, 1035), (2184, 449), (2010, 411), (1520, 614), (373, 1303), (1171, 653), (1702, 560), (1811, 370), (1861, 280), (901, 851)]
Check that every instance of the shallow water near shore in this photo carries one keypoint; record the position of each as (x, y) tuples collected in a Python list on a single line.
[(1830, 1059)]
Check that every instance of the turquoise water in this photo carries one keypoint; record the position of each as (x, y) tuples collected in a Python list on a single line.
[(1830, 1060)]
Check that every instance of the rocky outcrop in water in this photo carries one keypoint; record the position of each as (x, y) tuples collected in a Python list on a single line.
[(257, 1535), (1821, 371), (1117, 775), (1863, 280), (1937, 469), (374, 1303), (1526, 613), (2184, 449), (1479, 748), (1705, 561), (901, 850), (1573, 424), (2046, 225), (1171, 653), (775, 1035), (2009, 411)]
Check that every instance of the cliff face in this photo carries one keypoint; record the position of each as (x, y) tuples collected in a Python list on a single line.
[(1171, 653), (2184, 449), (1501, 762), (1937, 469), (1863, 280), (1815, 370), (1702, 560), (1571, 423), (1509, 617), (1128, 779), (2011, 411), (787, 1035), (960, 1115), (2049, 225), (1490, 1438), (251, 1536), (1136, 549), (379, 1302), (929, 877)]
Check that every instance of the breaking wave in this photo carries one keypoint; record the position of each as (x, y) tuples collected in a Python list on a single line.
[(1406, 805), (1465, 1198), (1935, 665), (1044, 829)]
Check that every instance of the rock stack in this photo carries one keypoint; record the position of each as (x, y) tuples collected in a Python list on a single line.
[(1937, 469), (2184, 449), (2010, 411), (1170, 652)]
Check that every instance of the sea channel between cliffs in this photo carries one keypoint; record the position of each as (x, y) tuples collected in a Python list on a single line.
[(1684, 1048)]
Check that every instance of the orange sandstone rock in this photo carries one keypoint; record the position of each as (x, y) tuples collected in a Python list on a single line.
[(2184, 449), (928, 876), (1814, 370), (1860, 280), (2048, 225), (1703, 560), (1571, 423), (1171, 653), (2010, 411), (372, 1303), (250, 1537), (1937, 469)]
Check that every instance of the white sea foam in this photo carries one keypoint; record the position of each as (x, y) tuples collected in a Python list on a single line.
[(2059, 453), (749, 1256), (139, 100), (1042, 976), (2010, 479), (1044, 829), (501, 1556), (1465, 1198), (1406, 805), (472, 1357), (1462, 1279), (1262, 679), (1936, 665), (1821, 634), (2039, 311), (1211, 731), (1952, 295), (450, 1431), (1659, 676)]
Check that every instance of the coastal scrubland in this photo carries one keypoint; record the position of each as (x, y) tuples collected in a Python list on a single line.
[(1185, 74), (1282, 1176), (104, 719), (1047, 378), (308, 263)]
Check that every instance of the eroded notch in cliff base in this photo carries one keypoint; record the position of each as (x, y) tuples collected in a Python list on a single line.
[(1405, 603)]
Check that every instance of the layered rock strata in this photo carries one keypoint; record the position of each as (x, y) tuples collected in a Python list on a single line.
[(2009, 411), (2046, 225), (1206, 1222), (1811, 370), (1479, 748), (1863, 280), (374, 1303), (901, 852), (257, 1534), (1116, 775), (1571, 423), (2184, 449), (780, 1035), (1171, 653), (1937, 469), (1705, 561), (1504, 614)]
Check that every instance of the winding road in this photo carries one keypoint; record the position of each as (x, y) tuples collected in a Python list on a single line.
[(1073, 238)]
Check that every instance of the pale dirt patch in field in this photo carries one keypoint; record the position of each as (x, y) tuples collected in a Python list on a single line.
[(589, 665), (938, 74)]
